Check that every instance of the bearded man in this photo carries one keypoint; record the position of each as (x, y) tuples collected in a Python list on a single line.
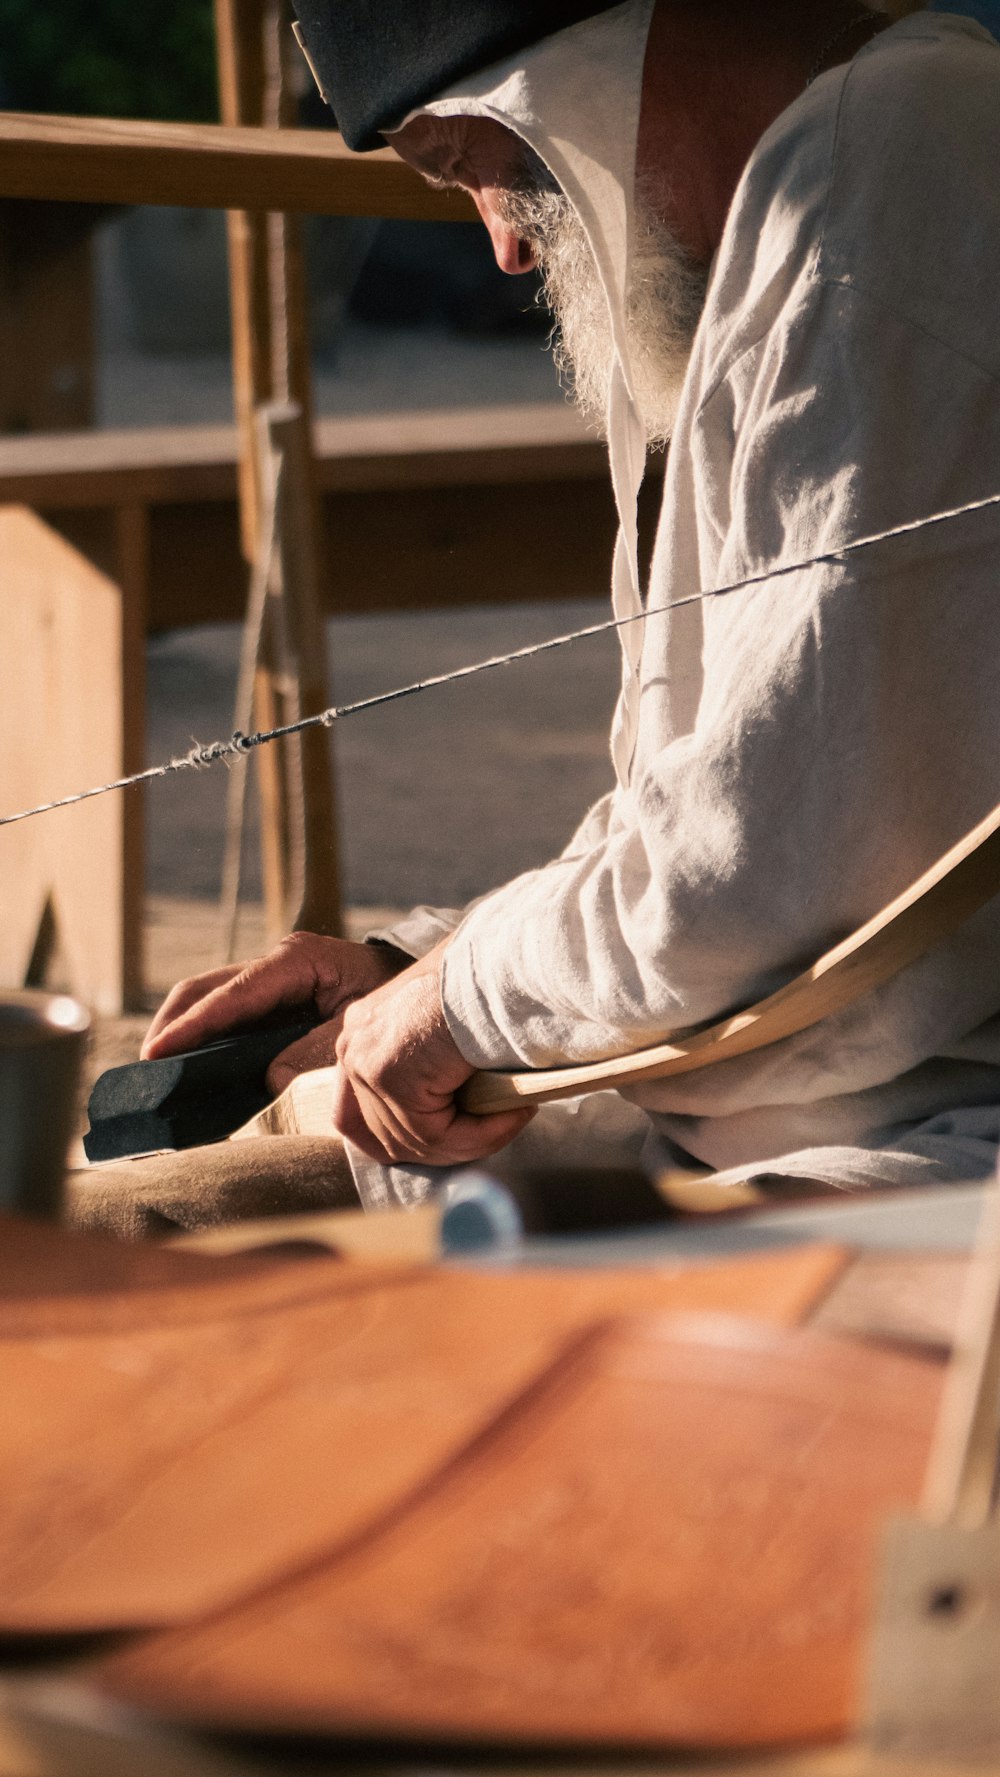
[(771, 233)]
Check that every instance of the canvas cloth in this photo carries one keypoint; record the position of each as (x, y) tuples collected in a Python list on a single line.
[(795, 755), (208, 1187)]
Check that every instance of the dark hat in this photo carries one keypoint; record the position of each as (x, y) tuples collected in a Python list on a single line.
[(376, 60)]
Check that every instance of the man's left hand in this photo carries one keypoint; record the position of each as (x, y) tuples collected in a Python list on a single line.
[(398, 1072)]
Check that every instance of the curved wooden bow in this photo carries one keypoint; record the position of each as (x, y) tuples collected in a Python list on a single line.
[(955, 887)]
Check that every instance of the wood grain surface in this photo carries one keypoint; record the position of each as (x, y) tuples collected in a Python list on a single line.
[(178, 1435), (66, 716), (667, 1539), (304, 1108), (214, 166), (420, 448)]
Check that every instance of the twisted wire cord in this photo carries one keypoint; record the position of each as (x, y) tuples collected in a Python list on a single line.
[(238, 745)]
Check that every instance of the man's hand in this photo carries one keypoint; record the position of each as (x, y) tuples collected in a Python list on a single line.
[(304, 969), (399, 1070)]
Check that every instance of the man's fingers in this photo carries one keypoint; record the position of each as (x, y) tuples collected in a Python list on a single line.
[(385, 1132), (466, 1140), (318, 1048), (350, 1123), (185, 995), (181, 998), (249, 994), (474, 1138), (305, 968), (398, 1069), (487, 1135), (365, 1119)]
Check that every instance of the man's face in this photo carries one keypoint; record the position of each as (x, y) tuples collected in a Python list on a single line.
[(531, 223)]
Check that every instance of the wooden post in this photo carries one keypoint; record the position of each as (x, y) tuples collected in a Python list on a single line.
[(932, 1689), (271, 363), (299, 644), (132, 552), (240, 40)]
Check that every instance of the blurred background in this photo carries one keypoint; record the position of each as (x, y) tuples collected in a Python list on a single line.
[(459, 511), (116, 322)]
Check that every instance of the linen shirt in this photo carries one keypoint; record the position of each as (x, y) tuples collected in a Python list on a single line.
[(808, 746)]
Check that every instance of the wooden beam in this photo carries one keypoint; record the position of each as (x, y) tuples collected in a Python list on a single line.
[(442, 491), (455, 543), (211, 166), (430, 447)]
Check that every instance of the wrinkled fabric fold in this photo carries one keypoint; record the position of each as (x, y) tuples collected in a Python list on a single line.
[(584, 86), (841, 730)]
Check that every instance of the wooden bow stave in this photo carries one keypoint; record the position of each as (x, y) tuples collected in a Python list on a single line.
[(955, 887)]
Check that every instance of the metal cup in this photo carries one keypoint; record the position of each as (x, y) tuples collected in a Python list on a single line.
[(42, 1038)]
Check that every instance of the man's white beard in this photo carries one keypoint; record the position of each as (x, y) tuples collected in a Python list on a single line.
[(665, 297)]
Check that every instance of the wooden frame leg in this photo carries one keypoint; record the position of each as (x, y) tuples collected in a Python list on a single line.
[(71, 715)]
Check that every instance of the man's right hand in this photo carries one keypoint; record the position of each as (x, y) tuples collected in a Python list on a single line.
[(303, 969)]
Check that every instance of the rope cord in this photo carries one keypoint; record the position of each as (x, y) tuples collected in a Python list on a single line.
[(199, 757)]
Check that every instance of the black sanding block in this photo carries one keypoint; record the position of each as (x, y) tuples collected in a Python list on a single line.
[(183, 1101)]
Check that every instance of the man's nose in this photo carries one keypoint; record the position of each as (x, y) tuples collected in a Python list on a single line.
[(513, 255)]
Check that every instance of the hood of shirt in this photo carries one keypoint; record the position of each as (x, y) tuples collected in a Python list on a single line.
[(574, 99)]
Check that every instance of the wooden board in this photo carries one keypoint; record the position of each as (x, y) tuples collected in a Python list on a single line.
[(71, 712), (912, 1297), (304, 1108), (935, 1655), (221, 1433), (213, 166), (667, 1539), (419, 448), (49, 1728), (383, 1235)]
